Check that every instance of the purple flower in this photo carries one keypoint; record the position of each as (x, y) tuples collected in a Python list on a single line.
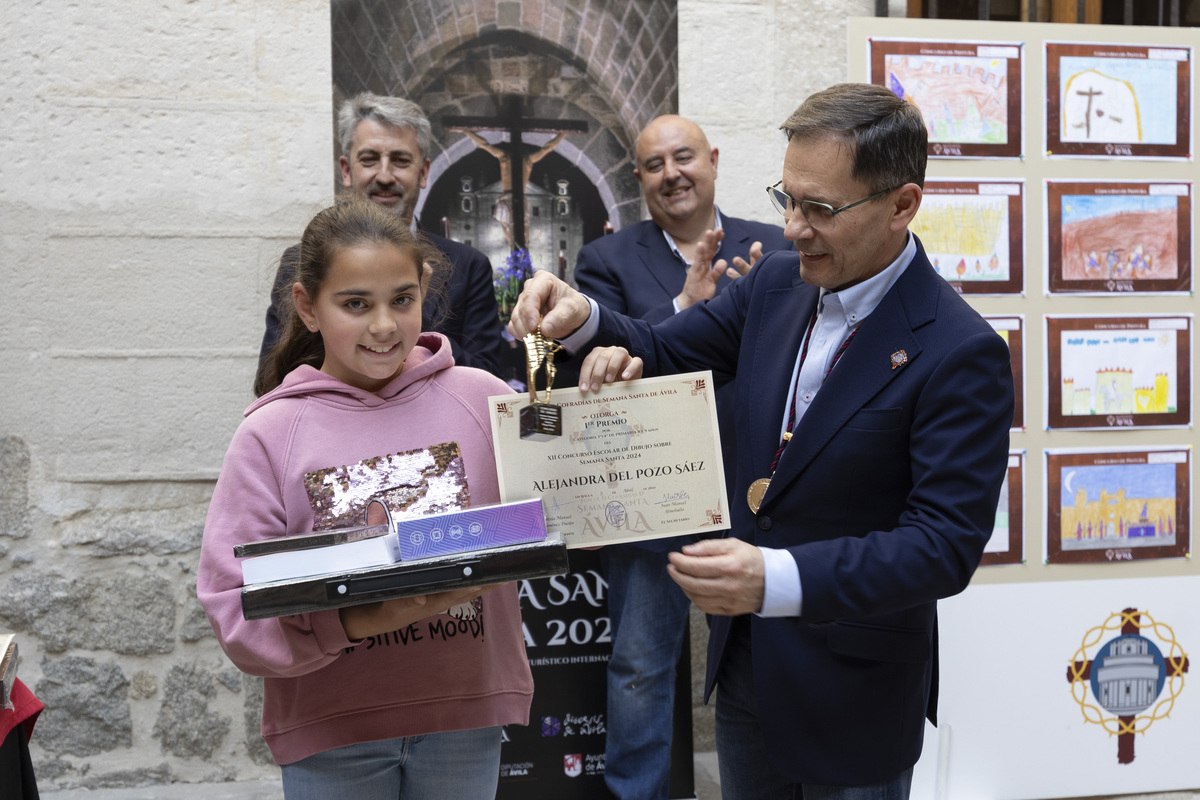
[(511, 278)]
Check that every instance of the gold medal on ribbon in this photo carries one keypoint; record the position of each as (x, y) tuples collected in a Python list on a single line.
[(756, 492)]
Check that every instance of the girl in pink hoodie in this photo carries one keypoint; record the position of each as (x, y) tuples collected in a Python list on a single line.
[(403, 698)]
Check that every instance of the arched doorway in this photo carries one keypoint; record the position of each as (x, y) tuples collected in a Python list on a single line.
[(565, 209)]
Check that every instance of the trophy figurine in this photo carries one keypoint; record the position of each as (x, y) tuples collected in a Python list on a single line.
[(540, 420)]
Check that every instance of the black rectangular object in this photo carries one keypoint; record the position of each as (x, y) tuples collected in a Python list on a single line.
[(541, 422), (406, 579)]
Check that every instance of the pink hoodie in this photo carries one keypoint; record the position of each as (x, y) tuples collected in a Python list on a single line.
[(321, 690)]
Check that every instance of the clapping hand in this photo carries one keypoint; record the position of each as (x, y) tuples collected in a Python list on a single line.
[(703, 275)]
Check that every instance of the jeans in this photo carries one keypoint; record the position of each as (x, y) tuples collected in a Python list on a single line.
[(746, 771), (649, 614), (464, 765)]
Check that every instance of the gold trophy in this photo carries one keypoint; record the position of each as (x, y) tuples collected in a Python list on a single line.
[(540, 420)]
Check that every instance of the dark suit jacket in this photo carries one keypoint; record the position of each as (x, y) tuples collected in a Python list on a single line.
[(635, 273), (469, 316), (885, 497)]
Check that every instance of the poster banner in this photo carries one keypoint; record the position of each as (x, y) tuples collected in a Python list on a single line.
[(568, 638)]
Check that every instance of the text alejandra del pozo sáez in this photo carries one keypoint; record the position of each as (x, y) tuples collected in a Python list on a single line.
[(615, 476)]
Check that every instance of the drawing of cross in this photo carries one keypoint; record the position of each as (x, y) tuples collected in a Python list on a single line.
[(1089, 94), (1082, 670)]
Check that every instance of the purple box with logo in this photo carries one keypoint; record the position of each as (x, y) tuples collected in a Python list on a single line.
[(469, 529)]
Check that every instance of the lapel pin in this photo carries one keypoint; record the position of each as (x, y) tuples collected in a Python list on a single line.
[(899, 359)]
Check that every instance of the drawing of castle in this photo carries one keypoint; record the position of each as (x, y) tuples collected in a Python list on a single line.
[(1117, 518), (1152, 399), (1114, 391), (1116, 394), (1127, 677), (1075, 402)]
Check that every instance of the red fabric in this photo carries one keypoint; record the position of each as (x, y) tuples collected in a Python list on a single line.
[(24, 712)]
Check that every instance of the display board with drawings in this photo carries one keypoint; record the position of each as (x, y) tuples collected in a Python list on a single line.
[(1110, 224), (1099, 481)]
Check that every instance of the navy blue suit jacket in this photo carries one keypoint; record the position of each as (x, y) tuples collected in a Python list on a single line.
[(467, 314), (635, 273), (885, 498)]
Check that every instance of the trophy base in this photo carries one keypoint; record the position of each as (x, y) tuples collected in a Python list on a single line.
[(541, 422)]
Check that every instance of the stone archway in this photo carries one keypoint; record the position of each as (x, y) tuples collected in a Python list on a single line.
[(567, 149), (613, 65), (567, 205)]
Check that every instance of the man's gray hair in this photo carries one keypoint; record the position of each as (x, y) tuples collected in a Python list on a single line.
[(887, 136), (393, 111)]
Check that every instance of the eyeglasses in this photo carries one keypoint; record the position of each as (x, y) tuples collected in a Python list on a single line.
[(819, 216)]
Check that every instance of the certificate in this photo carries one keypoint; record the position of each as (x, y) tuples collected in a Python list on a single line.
[(636, 460)]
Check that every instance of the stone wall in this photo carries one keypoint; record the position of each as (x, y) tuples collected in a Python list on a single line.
[(155, 159), (740, 85)]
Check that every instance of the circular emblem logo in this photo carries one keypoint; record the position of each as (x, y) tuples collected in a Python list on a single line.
[(614, 512), (1127, 684), (1128, 675)]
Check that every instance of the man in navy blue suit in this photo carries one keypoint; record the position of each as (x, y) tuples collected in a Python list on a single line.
[(650, 271), (385, 143), (872, 415)]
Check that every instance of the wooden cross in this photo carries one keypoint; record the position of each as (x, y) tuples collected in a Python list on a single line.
[(1087, 121), (512, 120), (1082, 670)]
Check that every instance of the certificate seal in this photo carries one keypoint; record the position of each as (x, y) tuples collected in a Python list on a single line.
[(614, 512)]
